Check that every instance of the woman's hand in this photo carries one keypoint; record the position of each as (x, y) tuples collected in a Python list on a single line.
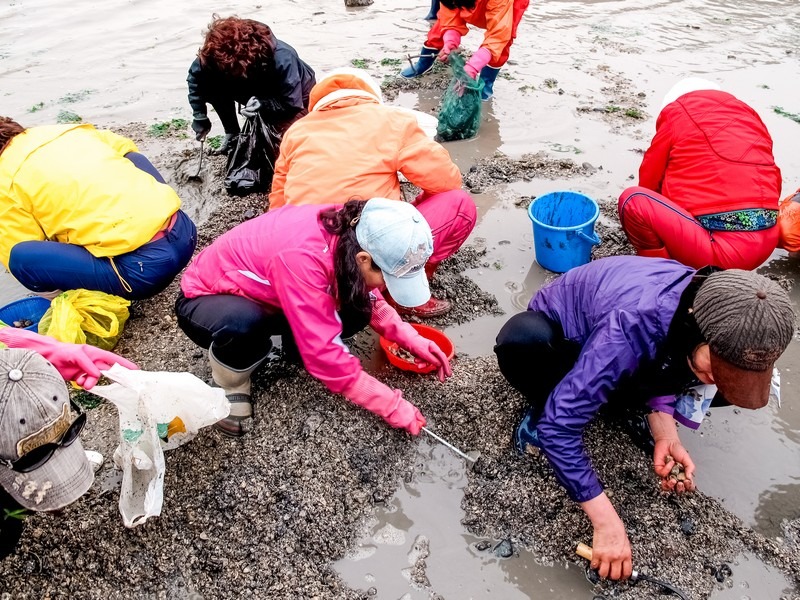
[(407, 416), (666, 453), (611, 550), (427, 353), (80, 363), (451, 40), (668, 450)]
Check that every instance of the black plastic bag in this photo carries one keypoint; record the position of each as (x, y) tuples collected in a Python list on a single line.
[(251, 164), (460, 115)]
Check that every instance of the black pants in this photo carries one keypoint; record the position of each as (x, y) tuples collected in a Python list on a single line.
[(534, 356), (240, 329)]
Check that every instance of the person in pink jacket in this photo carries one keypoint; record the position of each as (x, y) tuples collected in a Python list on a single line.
[(312, 273)]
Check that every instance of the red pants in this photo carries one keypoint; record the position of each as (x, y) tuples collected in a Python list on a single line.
[(658, 227), (452, 216), (436, 42)]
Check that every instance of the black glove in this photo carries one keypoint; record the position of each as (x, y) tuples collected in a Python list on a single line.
[(201, 127)]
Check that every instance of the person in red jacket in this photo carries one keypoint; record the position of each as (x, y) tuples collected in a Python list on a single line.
[(499, 18), (708, 185)]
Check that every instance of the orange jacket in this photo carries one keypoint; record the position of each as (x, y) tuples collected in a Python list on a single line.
[(789, 223), (351, 145), (495, 16)]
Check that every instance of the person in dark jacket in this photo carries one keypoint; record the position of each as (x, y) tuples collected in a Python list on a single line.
[(242, 61), (644, 336), (708, 185)]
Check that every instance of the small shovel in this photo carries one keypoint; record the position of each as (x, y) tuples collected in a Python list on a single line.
[(196, 176), (471, 457), (585, 551)]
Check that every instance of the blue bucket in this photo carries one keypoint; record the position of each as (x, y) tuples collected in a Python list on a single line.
[(563, 230), (27, 309)]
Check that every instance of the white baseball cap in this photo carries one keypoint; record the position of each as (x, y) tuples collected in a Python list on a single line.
[(400, 242)]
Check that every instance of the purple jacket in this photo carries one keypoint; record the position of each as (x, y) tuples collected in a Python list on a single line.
[(619, 310)]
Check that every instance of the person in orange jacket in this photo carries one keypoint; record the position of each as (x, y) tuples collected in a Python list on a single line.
[(499, 18), (351, 145), (789, 223)]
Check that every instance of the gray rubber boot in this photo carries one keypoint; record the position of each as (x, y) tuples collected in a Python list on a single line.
[(236, 384)]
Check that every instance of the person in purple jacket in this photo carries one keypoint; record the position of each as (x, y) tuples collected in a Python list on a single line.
[(642, 335)]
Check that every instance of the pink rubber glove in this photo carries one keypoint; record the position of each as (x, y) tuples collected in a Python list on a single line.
[(477, 61), (427, 353), (452, 40), (385, 402), (80, 363)]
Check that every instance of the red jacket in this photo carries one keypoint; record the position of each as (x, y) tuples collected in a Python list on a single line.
[(712, 154)]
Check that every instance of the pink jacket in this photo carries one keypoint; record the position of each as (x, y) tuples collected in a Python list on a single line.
[(284, 258)]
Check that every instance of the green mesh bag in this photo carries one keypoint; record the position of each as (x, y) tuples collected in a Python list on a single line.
[(460, 115)]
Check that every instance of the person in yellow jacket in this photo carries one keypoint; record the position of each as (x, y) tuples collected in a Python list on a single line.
[(499, 18), (81, 208), (351, 145)]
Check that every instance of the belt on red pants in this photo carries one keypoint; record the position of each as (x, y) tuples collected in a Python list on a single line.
[(169, 224)]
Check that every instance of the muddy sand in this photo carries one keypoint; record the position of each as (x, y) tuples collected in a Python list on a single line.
[(267, 515)]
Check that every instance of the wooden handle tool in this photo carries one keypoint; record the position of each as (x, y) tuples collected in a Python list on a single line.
[(584, 551)]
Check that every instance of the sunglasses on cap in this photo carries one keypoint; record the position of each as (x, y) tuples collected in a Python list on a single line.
[(35, 458)]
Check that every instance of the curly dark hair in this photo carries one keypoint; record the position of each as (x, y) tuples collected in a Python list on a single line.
[(351, 288), (9, 128), (234, 46), (456, 4)]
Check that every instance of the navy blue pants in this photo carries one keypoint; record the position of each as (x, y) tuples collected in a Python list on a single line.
[(49, 266)]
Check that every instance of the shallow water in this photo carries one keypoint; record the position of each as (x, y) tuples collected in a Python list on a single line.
[(459, 565), (120, 62)]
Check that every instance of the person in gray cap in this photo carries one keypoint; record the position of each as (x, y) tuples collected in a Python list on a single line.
[(649, 340), (42, 463)]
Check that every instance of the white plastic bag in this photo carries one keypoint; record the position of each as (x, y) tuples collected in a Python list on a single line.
[(157, 411)]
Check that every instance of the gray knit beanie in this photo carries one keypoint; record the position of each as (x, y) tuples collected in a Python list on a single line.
[(746, 318)]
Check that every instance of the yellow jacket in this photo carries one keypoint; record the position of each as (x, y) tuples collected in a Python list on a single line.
[(352, 146), (72, 184)]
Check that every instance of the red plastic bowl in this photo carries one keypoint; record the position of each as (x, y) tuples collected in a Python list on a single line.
[(425, 331)]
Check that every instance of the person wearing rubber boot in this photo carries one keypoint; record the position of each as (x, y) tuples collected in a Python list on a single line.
[(642, 336), (708, 184), (242, 61), (499, 19), (314, 275), (433, 12), (321, 158)]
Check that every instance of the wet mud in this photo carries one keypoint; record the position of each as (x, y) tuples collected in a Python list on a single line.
[(271, 514)]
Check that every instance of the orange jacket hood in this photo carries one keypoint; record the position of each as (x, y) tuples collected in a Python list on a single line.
[(344, 83)]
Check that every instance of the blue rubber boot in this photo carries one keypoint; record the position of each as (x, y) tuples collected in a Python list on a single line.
[(526, 434), (423, 64), (434, 11), (488, 75)]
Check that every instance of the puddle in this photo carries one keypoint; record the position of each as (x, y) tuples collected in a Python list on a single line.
[(415, 547), (751, 579), (601, 54)]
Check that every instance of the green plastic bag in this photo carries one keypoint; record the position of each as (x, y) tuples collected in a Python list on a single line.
[(460, 115)]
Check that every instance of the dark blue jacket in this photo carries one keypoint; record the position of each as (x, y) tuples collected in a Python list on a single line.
[(283, 85)]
